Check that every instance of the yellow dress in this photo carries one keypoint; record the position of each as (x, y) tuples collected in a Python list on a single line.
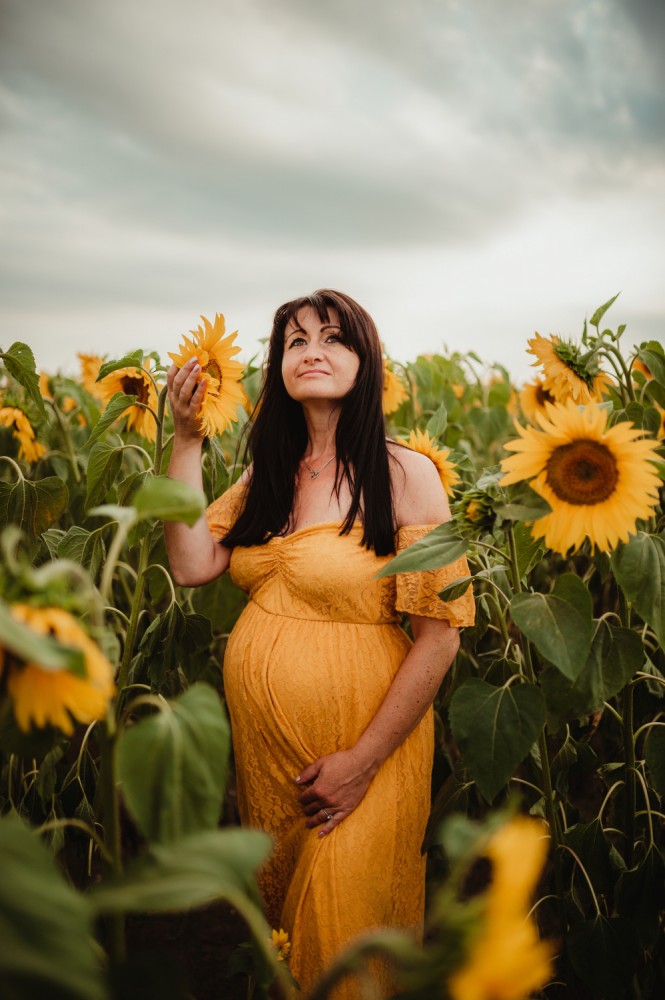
[(306, 667)]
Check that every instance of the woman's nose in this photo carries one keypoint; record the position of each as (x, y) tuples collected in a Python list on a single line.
[(313, 351)]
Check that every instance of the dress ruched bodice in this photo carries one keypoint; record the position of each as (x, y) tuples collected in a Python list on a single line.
[(306, 668)]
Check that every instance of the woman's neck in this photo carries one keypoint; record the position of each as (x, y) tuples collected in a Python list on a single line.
[(321, 430)]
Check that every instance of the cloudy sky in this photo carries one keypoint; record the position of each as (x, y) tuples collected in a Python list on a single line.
[(470, 171)]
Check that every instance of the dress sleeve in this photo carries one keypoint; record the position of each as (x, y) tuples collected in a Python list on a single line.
[(418, 592), (223, 512)]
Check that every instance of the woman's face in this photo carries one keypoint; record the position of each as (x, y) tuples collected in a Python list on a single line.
[(317, 365)]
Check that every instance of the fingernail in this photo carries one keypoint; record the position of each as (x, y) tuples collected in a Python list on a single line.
[(297, 780), (322, 833)]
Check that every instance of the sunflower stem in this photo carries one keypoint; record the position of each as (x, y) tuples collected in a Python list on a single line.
[(71, 454), (134, 613), (17, 467), (112, 836), (622, 365), (159, 445), (628, 720)]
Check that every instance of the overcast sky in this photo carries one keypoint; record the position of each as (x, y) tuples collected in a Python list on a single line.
[(470, 171)]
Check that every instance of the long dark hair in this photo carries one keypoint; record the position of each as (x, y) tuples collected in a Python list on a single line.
[(278, 436)]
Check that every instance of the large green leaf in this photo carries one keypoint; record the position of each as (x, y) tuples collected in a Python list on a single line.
[(592, 847), (103, 467), (33, 506), (191, 871), (615, 654), (438, 548), (42, 649), (172, 766), (653, 357), (603, 953), (169, 500), (20, 363), (115, 408), (639, 566), (495, 727), (640, 896), (84, 547), (438, 422), (560, 631), (46, 933), (133, 360)]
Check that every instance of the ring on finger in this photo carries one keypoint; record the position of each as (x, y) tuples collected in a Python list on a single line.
[(326, 814)]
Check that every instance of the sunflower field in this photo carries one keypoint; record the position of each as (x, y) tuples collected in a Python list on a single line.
[(546, 872)]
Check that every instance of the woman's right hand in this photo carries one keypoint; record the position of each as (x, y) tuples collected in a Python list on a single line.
[(186, 393)]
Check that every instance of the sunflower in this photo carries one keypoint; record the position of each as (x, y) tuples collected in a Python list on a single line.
[(224, 392), (639, 366), (134, 382), (421, 442), (533, 397), (43, 696), (45, 389), (280, 942), (598, 480), (507, 961), (394, 391), (29, 448), (568, 374), (474, 512), (90, 365)]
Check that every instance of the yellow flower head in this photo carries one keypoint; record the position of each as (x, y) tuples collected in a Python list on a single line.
[(566, 375), (30, 450), (507, 961), (134, 382), (598, 480), (281, 944), (224, 392), (421, 442), (394, 392), (90, 365), (41, 696), (533, 397)]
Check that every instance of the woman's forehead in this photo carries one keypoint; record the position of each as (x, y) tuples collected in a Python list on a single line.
[(309, 316)]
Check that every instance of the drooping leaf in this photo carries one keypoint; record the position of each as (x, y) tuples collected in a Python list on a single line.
[(20, 363), (172, 766), (592, 847), (529, 549), (570, 588), (46, 928), (33, 506), (603, 953), (115, 408), (654, 358), (133, 360), (438, 422), (438, 548), (560, 631), (495, 728), (639, 566), (456, 589), (169, 500), (84, 547), (103, 467)]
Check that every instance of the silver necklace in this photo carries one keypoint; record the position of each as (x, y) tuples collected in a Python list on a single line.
[(314, 474)]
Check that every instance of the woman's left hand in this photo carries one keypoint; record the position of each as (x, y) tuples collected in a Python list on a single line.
[(335, 785)]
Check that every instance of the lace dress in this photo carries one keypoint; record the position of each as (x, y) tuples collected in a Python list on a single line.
[(306, 667)]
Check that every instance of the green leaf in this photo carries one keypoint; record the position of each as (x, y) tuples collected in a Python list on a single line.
[(438, 548), (639, 566), (615, 655), (490, 422), (172, 766), (655, 758), (456, 589), (560, 631), (654, 359), (603, 953), (46, 930), (438, 422), (103, 467), (529, 549), (640, 896), (20, 363), (115, 408), (42, 649), (495, 728), (192, 871), (133, 360), (169, 500), (84, 547), (601, 310), (593, 849), (33, 506)]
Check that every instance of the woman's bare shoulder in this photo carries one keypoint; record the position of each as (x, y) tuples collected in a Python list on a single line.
[(417, 490)]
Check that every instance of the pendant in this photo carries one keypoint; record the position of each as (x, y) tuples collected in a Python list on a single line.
[(315, 475)]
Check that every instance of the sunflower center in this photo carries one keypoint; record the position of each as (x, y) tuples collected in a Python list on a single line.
[(214, 370), (543, 396), (134, 386), (582, 472)]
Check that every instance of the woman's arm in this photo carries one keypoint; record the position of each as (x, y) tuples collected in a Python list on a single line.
[(194, 557), (338, 782)]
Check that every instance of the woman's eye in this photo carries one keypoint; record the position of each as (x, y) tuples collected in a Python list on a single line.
[(296, 340), (335, 337)]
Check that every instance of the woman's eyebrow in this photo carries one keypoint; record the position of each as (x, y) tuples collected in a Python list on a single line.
[(289, 333)]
